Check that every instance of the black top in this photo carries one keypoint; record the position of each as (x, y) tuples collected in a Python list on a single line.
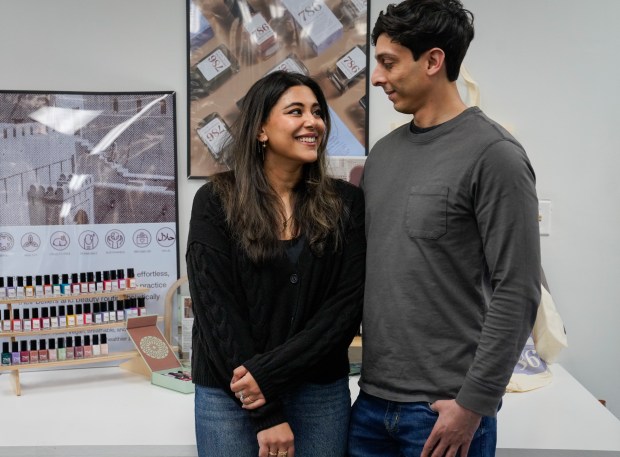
[(287, 323)]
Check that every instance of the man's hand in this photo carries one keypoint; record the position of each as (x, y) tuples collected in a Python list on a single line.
[(454, 430)]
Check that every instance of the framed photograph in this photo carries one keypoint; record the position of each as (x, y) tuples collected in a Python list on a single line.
[(88, 184), (232, 43)]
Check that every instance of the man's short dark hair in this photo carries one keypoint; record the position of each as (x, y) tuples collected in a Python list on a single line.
[(420, 25)]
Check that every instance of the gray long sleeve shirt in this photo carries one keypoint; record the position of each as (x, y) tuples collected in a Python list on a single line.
[(451, 218)]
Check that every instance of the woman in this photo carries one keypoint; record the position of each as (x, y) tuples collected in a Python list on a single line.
[(275, 262)]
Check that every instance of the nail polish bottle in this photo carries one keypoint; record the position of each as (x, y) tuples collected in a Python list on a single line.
[(88, 315), (78, 348), (353, 12), (131, 279), (107, 282), (62, 352), (98, 282), (56, 289), (92, 286), (69, 351), (52, 354), (141, 306), (38, 286), (43, 354), (214, 133), (47, 286), (349, 68), (120, 310), (122, 283), (212, 71), (97, 315), (70, 316), (11, 291), (54, 322), (96, 347), (36, 320), (114, 280), (19, 291), (105, 316), (79, 315), (2, 288), (111, 311), (6, 321), (15, 355), (131, 308), (76, 287), (104, 344), (62, 318), (24, 353), (34, 352), (6, 355), (46, 322), (319, 25), (26, 322), (65, 285), (259, 33), (16, 323), (291, 64), (83, 283), (29, 288), (88, 349)]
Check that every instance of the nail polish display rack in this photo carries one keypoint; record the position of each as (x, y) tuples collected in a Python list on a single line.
[(112, 356)]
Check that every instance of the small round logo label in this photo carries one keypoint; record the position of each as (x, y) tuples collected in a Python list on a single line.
[(88, 240), (60, 240), (115, 239), (165, 237), (31, 242), (6, 242), (142, 238)]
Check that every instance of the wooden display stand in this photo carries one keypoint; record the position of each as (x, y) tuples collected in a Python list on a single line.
[(15, 369)]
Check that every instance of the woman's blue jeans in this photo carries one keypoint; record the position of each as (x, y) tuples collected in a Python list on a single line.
[(317, 413), (382, 428)]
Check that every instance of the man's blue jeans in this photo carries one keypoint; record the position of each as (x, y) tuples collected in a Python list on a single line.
[(381, 428), (317, 413)]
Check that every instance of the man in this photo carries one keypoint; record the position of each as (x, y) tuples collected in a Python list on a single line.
[(453, 262)]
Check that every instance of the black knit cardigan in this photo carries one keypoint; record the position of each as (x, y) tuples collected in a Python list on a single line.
[(287, 323)]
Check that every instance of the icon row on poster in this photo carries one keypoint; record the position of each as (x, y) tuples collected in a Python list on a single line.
[(88, 240)]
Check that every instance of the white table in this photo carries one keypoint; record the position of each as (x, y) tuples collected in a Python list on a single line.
[(104, 412)]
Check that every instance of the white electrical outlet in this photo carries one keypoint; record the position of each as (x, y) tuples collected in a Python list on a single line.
[(544, 217)]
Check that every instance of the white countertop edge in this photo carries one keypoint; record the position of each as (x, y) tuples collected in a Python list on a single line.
[(99, 451)]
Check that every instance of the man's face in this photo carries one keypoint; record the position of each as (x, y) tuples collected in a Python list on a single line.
[(402, 78)]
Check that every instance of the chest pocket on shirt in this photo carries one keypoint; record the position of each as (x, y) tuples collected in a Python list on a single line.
[(426, 212)]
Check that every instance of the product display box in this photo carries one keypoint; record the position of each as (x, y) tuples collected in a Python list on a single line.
[(164, 366)]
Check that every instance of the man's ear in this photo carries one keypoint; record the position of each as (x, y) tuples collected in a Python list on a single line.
[(435, 60)]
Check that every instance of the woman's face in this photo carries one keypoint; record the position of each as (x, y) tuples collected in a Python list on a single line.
[(294, 129)]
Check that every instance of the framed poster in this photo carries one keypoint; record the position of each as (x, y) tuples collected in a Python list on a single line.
[(232, 43), (88, 186)]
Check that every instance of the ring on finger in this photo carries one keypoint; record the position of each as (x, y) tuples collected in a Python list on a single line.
[(282, 453), (241, 397), (273, 453)]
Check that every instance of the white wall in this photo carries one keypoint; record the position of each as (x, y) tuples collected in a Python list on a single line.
[(546, 68)]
